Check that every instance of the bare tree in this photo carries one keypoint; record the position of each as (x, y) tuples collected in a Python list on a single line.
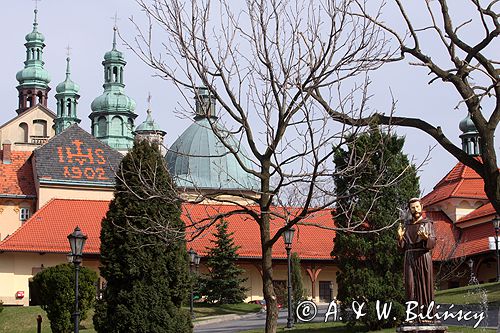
[(261, 63), (467, 63)]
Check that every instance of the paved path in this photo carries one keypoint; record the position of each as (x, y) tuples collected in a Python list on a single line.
[(256, 321)]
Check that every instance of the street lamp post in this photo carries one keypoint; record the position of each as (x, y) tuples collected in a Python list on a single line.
[(76, 242), (470, 262), (288, 238), (496, 225), (192, 260)]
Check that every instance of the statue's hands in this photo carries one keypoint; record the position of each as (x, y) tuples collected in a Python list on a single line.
[(423, 234), (401, 231)]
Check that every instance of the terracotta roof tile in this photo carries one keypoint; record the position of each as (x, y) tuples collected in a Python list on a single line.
[(482, 211), (47, 229), (16, 178), (460, 182), (446, 236), (475, 239)]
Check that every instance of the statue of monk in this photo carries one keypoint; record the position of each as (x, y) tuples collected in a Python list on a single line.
[(417, 238)]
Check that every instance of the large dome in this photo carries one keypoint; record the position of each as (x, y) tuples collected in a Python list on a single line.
[(198, 159)]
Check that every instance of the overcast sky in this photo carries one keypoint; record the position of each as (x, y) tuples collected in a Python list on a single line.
[(86, 26)]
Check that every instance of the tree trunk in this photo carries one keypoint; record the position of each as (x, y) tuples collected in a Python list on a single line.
[(269, 295)]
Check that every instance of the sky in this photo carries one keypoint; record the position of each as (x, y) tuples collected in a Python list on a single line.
[(86, 26)]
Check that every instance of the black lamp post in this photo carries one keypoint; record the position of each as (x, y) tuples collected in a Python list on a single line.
[(288, 238), (496, 225), (470, 262), (192, 261), (76, 242)]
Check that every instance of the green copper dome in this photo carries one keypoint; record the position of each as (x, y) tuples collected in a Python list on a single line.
[(113, 111), (467, 125), (149, 125), (33, 73), (67, 86), (35, 35), (198, 159)]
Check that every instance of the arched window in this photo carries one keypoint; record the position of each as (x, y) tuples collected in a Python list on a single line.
[(37, 54), (115, 74), (101, 127), (39, 97), (68, 107), (39, 127), (32, 54), (116, 126), (108, 74), (23, 132), (121, 74), (29, 99), (130, 126)]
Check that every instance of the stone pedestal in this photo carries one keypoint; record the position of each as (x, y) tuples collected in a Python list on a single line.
[(422, 328)]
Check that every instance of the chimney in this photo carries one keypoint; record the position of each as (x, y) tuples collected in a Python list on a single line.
[(6, 156)]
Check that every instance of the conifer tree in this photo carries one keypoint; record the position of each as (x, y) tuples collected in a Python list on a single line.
[(370, 264), (224, 282), (146, 271)]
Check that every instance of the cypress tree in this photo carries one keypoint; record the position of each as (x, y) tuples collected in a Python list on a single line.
[(143, 251), (370, 264), (224, 282)]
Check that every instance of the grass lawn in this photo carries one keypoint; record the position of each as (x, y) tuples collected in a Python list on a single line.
[(22, 319), (462, 296), (341, 328)]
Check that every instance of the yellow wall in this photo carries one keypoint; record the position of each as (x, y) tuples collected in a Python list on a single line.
[(16, 270), (12, 131), (9, 214), (45, 193)]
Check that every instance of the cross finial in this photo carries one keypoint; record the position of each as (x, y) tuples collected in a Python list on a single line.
[(68, 50), (149, 103), (115, 18), (36, 11)]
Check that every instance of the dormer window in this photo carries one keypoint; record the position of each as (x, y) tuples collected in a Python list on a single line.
[(24, 214)]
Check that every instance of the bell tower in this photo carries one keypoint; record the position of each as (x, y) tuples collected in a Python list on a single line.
[(33, 78)]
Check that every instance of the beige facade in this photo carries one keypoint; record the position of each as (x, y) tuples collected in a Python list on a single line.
[(13, 213), (48, 192), (16, 270), (29, 130)]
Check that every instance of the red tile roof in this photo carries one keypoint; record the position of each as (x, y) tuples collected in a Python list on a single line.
[(16, 178), (460, 182), (310, 241), (475, 239), (47, 229), (482, 211), (446, 236)]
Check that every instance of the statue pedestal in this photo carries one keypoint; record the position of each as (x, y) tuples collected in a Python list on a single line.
[(409, 328)]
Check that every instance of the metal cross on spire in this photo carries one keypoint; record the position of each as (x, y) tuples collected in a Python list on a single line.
[(149, 102), (36, 10), (68, 50), (115, 18)]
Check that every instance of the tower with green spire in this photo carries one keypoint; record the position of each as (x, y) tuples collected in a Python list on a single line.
[(113, 114), (67, 100), (33, 78)]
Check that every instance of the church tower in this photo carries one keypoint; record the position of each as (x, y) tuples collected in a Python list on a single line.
[(33, 78), (67, 100), (469, 136), (113, 114), (151, 131)]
